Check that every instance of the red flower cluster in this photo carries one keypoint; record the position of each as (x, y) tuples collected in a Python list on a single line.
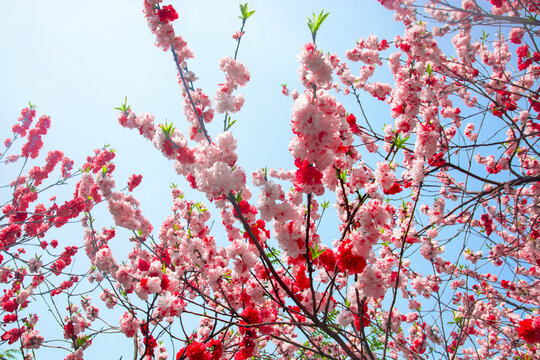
[(488, 223), (327, 259), (529, 330), (101, 159), (259, 229), (149, 341), (308, 178), (34, 143), (26, 118), (12, 335), (351, 120), (134, 181), (523, 53), (347, 261), (212, 350), (394, 189), (365, 318), (167, 14), (246, 208)]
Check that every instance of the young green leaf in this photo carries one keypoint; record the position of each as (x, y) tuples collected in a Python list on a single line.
[(245, 12), (229, 123), (167, 129), (315, 23), (315, 252), (123, 107)]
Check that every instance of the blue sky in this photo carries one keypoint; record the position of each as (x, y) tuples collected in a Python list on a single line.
[(78, 60)]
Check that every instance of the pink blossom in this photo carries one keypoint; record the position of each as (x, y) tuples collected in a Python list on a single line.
[(129, 325), (104, 260), (237, 35), (469, 132), (315, 69), (237, 74), (32, 339)]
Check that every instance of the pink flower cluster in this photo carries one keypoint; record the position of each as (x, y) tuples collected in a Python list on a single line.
[(236, 75)]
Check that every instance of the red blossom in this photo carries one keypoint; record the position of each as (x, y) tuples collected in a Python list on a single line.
[(101, 159), (194, 351), (365, 318), (405, 47), (259, 229), (437, 160), (216, 346), (488, 223), (10, 318), (347, 261), (535, 104), (529, 330), (327, 259), (522, 51), (301, 280), (9, 305), (522, 65), (307, 176), (394, 189), (143, 265), (134, 181), (246, 208), (247, 346), (9, 235), (167, 14), (12, 335), (351, 120), (251, 315), (383, 45), (399, 109)]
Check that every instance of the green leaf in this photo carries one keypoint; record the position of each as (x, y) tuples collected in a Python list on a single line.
[(229, 123), (325, 204), (8, 354), (316, 252), (429, 70), (399, 141), (123, 107), (227, 275), (167, 129), (274, 255), (109, 147), (315, 23), (245, 12), (238, 197), (200, 207), (82, 340)]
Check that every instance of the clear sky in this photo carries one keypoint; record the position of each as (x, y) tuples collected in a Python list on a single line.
[(77, 60)]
